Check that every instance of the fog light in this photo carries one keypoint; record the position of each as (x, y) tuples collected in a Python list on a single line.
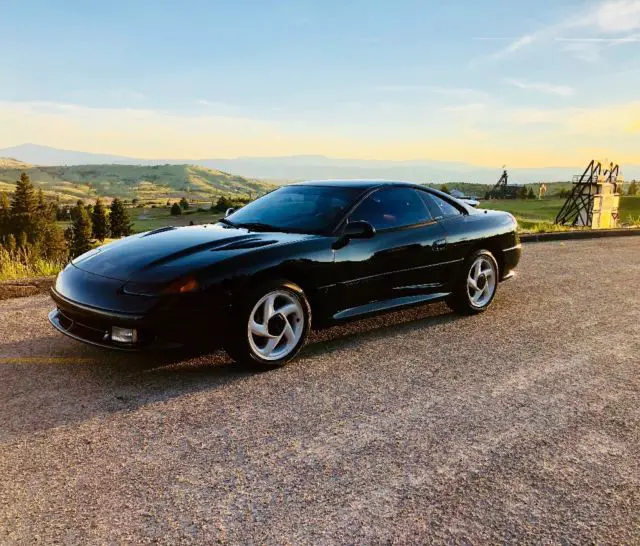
[(124, 335)]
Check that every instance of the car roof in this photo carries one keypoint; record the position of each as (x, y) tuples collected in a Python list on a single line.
[(365, 184)]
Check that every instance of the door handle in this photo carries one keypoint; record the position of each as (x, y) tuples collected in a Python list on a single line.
[(439, 245)]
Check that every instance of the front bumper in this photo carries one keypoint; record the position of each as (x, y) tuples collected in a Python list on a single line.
[(165, 329), (510, 259)]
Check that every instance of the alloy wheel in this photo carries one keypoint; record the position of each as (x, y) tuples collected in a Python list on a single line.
[(276, 324), (481, 282)]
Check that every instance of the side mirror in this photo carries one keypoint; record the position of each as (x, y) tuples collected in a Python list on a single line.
[(354, 230), (229, 211), (360, 229)]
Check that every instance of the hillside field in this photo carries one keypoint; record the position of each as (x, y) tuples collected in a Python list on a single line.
[(147, 184)]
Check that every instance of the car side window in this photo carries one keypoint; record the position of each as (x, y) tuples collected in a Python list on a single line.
[(391, 208), (439, 207)]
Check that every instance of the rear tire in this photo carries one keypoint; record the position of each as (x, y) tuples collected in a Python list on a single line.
[(270, 325), (476, 286)]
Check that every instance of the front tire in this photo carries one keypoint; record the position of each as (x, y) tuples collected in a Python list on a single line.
[(270, 325), (476, 287)]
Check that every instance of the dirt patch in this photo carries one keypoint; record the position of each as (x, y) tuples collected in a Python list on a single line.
[(25, 287)]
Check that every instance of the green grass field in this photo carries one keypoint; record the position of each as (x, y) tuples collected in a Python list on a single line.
[(539, 215), (146, 219)]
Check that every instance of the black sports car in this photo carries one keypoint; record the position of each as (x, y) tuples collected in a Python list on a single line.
[(331, 250)]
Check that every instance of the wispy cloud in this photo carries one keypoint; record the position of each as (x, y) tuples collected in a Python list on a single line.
[(610, 17), (611, 41), (548, 88)]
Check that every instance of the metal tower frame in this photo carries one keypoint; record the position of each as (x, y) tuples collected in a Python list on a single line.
[(579, 204), (500, 189)]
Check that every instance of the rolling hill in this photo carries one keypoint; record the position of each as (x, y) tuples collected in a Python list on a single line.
[(143, 182)]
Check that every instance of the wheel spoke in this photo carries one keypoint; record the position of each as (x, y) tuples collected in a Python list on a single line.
[(269, 310), (472, 283), (476, 270), (288, 333), (271, 345), (259, 329), (287, 309)]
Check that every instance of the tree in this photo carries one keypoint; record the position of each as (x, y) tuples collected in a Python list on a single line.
[(119, 219), (530, 194), (5, 217), (24, 208), (100, 221), (53, 245), (184, 204), (176, 210), (81, 231), (444, 188), (74, 210), (633, 188), (522, 192), (223, 204)]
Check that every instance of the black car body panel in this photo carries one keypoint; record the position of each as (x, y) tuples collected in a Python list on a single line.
[(124, 283)]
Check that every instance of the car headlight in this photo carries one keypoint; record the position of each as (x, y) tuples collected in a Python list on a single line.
[(183, 285)]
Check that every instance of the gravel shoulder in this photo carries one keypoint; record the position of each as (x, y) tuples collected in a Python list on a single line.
[(519, 425)]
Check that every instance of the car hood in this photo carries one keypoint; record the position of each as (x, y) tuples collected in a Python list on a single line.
[(165, 253)]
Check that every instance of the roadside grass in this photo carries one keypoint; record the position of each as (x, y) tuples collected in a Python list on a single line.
[(22, 264)]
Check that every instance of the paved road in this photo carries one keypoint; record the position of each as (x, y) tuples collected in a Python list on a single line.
[(519, 425)]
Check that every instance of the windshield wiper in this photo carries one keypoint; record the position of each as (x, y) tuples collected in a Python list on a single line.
[(227, 222), (258, 226)]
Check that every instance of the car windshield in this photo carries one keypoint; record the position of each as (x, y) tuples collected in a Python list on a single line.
[(297, 208)]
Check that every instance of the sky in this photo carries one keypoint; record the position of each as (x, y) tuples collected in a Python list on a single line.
[(515, 82)]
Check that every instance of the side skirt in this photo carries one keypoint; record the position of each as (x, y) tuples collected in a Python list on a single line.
[(385, 306)]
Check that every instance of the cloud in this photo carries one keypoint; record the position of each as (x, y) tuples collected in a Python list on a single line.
[(614, 16), (548, 88), (608, 41), (610, 17), (584, 51)]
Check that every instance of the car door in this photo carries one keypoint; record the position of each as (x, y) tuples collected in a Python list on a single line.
[(402, 258), (456, 223)]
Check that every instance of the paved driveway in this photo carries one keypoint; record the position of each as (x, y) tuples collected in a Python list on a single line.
[(519, 425)]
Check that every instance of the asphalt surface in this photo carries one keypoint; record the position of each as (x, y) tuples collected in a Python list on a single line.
[(519, 425)]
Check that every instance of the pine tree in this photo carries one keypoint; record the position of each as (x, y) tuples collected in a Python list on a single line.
[(223, 203), (184, 204), (444, 188), (24, 208), (530, 194), (176, 210), (119, 219), (522, 192), (100, 221), (81, 232), (5, 217), (633, 188)]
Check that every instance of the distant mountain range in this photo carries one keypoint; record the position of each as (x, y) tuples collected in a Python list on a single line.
[(289, 168)]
